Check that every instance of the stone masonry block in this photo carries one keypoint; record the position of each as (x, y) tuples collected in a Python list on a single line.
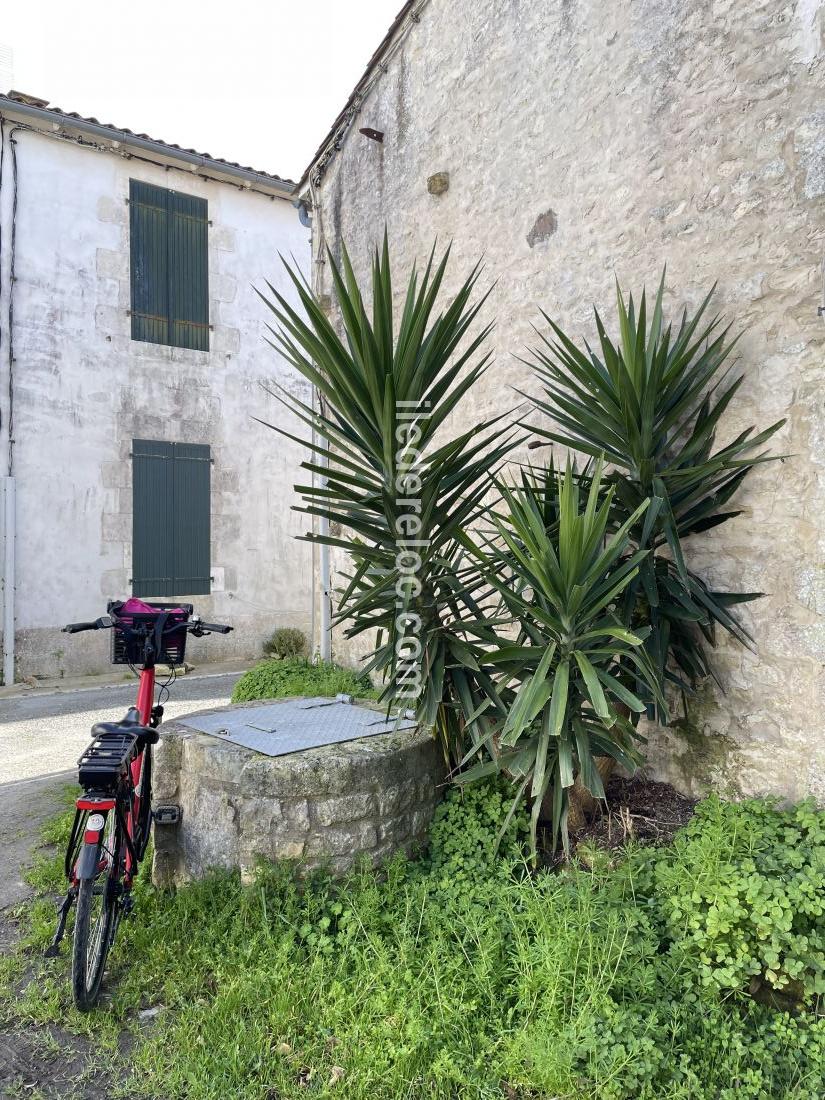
[(345, 808)]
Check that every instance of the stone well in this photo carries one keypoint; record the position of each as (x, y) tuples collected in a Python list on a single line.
[(322, 806)]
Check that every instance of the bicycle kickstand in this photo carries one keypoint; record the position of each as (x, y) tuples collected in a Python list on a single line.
[(62, 914)]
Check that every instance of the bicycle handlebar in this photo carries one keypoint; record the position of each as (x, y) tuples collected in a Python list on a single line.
[(208, 628), (195, 626), (103, 623)]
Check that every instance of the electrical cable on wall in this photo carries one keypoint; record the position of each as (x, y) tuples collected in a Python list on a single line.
[(334, 144), (8, 328), (9, 494), (261, 607)]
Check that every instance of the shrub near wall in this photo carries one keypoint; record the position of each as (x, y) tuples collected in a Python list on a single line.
[(280, 679), (286, 641)]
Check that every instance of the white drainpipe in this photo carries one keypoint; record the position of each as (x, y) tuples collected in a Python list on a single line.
[(9, 533), (320, 448), (326, 594)]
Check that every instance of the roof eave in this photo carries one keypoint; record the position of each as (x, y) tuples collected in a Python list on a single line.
[(408, 8), (159, 148)]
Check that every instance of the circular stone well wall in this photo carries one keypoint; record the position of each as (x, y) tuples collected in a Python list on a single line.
[(323, 806)]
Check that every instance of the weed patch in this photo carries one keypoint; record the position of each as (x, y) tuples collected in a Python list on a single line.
[(464, 975)]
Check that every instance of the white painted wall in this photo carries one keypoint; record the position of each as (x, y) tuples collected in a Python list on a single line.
[(83, 389)]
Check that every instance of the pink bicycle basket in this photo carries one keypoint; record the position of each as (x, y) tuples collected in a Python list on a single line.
[(127, 649)]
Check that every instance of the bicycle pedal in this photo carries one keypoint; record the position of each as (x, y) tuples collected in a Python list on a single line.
[(167, 815)]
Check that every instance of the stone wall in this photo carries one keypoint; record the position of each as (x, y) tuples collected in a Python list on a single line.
[(322, 807), (585, 141)]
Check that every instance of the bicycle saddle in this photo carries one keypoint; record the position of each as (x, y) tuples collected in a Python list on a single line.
[(129, 724)]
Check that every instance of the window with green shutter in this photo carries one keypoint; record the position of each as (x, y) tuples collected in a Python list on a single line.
[(170, 518), (170, 266)]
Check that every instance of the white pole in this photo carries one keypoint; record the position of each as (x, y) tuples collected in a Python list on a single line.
[(9, 516)]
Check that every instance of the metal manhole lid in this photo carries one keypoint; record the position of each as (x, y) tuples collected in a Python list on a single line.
[(294, 725)]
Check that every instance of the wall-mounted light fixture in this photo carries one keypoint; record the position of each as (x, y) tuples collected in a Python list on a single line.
[(304, 216)]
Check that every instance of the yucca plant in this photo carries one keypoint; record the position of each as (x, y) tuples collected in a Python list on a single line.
[(388, 391), (563, 686), (651, 403)]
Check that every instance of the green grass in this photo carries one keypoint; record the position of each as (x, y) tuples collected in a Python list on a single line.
[(462, 975), (297, 676)]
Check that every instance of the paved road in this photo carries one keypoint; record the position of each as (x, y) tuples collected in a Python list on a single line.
[(44, 734), (41, 737)]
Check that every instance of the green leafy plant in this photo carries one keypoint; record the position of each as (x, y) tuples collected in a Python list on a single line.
[(750, 914), (561, 693), (474, 838), (403, 981), (651, 403), (286, 641), (601, 602), (296, 676), (395, 471)]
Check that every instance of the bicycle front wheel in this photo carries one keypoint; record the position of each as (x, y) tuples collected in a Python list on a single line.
[(95, 922)]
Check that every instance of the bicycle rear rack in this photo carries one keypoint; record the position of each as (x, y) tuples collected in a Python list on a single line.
[(103, 766)]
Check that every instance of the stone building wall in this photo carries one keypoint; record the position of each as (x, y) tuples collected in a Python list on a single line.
[(83, 390), (585, 141)]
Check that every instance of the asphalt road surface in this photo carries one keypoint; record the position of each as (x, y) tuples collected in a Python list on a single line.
[(41, 737)]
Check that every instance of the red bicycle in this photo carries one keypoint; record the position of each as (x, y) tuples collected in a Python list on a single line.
[(113, 817)]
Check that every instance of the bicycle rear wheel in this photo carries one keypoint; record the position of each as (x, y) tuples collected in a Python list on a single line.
[(95, 920)]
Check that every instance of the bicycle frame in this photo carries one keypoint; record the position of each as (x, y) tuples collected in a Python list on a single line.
[(86, 864), (145, 704), (146, 694)]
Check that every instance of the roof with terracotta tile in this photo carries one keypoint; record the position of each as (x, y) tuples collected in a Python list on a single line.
[(34, 107)]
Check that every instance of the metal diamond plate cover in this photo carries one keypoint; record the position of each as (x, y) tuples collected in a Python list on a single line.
[(276, 729)]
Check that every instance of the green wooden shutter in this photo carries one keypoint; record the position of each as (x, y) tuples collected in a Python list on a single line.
[(188, 272), (148, 227), (152, 517), (170, 266), (171, 552), (191, 558)]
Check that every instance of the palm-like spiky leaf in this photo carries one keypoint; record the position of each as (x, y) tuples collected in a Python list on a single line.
[(387, 395), (566, 684), (651, 403)]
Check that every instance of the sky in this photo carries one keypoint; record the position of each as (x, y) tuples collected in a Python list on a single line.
[(251, 81)]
